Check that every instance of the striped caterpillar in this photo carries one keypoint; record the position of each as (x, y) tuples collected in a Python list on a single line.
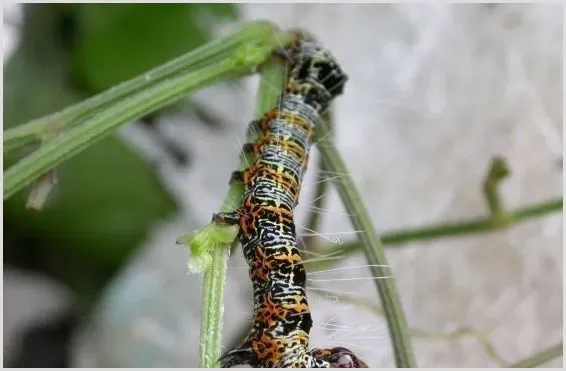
[(282, 319)]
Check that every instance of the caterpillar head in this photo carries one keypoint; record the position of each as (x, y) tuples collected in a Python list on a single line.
[(337, 357), (316, 74)]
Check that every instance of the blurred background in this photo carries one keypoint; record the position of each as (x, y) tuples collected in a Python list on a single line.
[(435, 91)]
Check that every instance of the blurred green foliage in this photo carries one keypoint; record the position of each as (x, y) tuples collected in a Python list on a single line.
[(108, 196), (119, 41)]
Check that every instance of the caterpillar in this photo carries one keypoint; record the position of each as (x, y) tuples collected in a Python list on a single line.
[(279, 336)]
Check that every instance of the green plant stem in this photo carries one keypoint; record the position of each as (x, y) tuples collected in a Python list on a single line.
[(212, 308), (453, 229), (320, 191), (214, 279), (541, 358), (314, 217), (32, 132), (373, 249), (94, 129), (272, 81)]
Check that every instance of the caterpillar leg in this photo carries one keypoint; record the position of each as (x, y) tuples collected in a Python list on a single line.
[(226, 218), (242, 176), (238, 177), (259, 128), (255, 128), (268, 117), (289, 53), (248, 148)]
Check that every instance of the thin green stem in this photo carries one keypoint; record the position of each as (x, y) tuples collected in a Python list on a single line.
[(321, 189), (96, 128), (272, 81), (20, 137), (541, 358), (452, 229), (212, 307), (373, 249), (316, 205), (254, 33)]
